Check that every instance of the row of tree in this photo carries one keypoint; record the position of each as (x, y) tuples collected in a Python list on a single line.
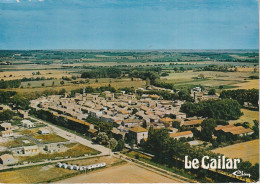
[(106, 72), (9, 84)]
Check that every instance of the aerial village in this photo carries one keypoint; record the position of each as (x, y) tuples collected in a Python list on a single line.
[(132, 118)]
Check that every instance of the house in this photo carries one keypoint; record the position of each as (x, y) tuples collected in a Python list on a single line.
[(193, 123), (6, 133), (29, 151), (54, 147), (132, 122), (6, 130), (234, 130), (44, 130), (138, 133), (7, 159), (167, 122), (179, 115), (185, 134), (27, 123)]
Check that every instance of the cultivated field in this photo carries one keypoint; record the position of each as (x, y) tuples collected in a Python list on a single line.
[(249, 116), (211, 79), (127, 173), (250, 84), (248, 151), (68, 87)]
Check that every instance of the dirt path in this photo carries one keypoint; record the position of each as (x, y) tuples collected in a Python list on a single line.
[(127, 173)]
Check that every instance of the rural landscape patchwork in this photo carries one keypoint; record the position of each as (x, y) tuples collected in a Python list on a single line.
[(64, 113)]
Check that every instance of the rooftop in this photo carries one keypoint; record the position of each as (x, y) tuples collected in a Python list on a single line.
[(138, 129), (181, 134)]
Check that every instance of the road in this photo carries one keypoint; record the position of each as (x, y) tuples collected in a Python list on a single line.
[(155, 169), (70, 136)]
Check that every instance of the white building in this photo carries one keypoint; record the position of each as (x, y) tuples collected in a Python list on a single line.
[(27, 123)]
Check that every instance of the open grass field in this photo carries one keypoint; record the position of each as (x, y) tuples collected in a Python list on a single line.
[(248, 151), (212, 78), (46, 138), (126, 173), (17, 142), (36, 174), (249, 116), (49, 138), (39, 174), (28, 73)]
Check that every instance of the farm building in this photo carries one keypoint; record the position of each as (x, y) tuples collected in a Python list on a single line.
[(44, 131), (185, 134), (7, 159), (27, 151), (234, 130), (54, 147), (6, 130)]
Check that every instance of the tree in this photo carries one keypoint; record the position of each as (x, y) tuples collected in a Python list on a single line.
[(207, 128), (134, 111), (144, 125), (6, 115), (113, 144), (52, 83), (20, 102), (120, 145), (43, 84), (62, 82), (201, 76), (226, 109), (132, 143), (148, 83), (28, 84), (102, 138), (256, 129), (176, 124), (212, 92)]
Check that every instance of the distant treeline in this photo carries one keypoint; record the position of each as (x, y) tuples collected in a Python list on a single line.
[(35, 79), (9, 84), (110, 72), (90, 89), (242, 95)]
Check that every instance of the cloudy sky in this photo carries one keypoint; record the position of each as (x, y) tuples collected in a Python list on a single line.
[(128, 24)]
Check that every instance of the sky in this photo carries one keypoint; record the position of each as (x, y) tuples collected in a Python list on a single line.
[(129, 24)]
